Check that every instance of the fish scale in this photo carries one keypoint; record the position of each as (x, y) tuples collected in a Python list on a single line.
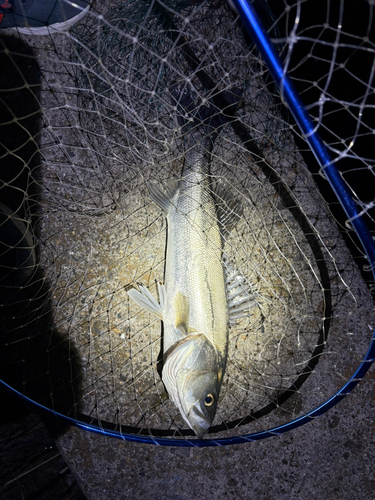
[(193, 265)]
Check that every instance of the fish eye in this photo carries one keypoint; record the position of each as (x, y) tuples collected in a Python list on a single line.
[(209, 400)]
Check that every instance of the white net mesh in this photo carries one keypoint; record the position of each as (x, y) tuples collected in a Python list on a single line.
[(72, 340)]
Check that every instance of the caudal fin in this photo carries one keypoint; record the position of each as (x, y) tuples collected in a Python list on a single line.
[(212, 113)]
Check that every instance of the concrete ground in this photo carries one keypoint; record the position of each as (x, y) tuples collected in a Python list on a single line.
[(329, 458)]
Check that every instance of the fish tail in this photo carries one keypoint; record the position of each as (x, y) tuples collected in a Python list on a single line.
[(195, 113)]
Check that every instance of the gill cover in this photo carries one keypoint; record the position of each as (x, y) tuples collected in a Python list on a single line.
[(191, 375)]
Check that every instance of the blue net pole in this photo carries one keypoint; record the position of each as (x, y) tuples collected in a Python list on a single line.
[(290, 95)]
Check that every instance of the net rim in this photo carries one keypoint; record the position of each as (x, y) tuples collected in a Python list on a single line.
[(346, 389)]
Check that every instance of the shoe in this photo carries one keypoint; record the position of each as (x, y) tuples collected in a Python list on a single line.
[(41, 17)]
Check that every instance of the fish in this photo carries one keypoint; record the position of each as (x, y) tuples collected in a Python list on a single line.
[(202, 292)]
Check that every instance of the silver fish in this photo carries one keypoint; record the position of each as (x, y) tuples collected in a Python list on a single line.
[(203, 293)]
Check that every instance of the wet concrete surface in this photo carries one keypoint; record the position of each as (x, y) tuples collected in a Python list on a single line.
[(331, 457)]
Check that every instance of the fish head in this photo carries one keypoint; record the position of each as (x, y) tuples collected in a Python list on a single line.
[(199, 394), (192, 376)]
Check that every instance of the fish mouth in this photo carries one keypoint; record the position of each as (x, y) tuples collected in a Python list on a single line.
[(198, 422)]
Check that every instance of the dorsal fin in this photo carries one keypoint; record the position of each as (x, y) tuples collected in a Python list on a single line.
[(162, 196), (228, 209)]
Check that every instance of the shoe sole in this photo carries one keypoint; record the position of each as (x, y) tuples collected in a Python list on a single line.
[(53, 28)]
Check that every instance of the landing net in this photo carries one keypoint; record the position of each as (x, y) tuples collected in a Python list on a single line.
[(88, 118)]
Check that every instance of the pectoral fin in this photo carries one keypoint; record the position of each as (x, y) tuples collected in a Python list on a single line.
[(181, 307), (146, 300)]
